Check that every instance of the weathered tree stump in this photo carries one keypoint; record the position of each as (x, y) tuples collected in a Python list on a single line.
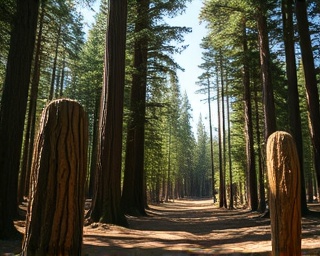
[(284, 198), (56, 208)]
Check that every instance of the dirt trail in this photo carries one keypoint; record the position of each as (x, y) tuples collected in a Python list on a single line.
[(187, 227), (193, 227)]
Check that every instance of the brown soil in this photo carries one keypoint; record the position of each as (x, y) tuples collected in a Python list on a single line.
[(187, 227)]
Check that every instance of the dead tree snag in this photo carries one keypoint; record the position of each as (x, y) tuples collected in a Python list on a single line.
[(284, 198), (56, 208)]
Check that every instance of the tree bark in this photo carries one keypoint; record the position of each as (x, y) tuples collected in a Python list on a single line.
[(106, 202), (55, 63), (293, 94), (133, 196), (211, 141), (251, 166), (56, 208), (30, 129), (311, 81), (267, 86), (14, 100), (284, 197)]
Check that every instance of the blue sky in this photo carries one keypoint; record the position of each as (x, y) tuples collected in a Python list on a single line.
[(189, 59)]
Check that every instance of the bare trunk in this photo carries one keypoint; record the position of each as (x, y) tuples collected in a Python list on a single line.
[(56, 209), (14, 100), (311, 81), (106, 203)]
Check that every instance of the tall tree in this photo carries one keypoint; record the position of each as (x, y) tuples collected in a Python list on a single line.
[(133, 196), (106, 205), (14, 100), (251, 167), (31, 120), (151, 56), (310, 81), (267, 86), (293, 94)]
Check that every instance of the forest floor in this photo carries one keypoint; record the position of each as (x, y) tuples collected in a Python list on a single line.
[(187, 227)]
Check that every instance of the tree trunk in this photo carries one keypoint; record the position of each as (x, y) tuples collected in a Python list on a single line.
[(94, 156), (311, 81), (106, 202), (54, 68), (56, 208), (262, 199), (221, 172), (231, 187), (30, 129), (284, 199), (211, 142), (267, 87), (293, 94), (14, 100), (133, 195), (223, 130), (251, 166)]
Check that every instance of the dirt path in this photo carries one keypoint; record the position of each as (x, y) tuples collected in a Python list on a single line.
[(187, 227)]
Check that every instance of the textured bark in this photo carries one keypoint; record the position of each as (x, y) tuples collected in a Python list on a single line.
[(251, 166), (311, 81), (56, 208), (13, 110), (267, 86), (30, 129), (293, 94), (133, 198), (284, 198), (106, 201)]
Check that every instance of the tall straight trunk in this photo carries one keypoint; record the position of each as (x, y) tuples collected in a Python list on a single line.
[(55, 61), (94, 157), (106, 203), (133, 196), (293, 94), (231, 187), (223, 130), (267, 86), (310, 80), (62, 76), (30, 129), (262, 194), (251, 166), (221, 176), (211, 142), (169, 168), (13, 110)]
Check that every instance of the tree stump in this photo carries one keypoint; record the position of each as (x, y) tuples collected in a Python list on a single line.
[(284, 198), (56, 207)]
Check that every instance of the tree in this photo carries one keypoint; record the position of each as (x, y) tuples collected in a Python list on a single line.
[(89, 78), (31, 120), (106, 203), (150, 59), (14, 100), (267, 86), (251, 167), (310, 81), (293, 94), (133, 196)]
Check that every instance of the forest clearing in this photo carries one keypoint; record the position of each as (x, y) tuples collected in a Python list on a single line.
[(187, 227)]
